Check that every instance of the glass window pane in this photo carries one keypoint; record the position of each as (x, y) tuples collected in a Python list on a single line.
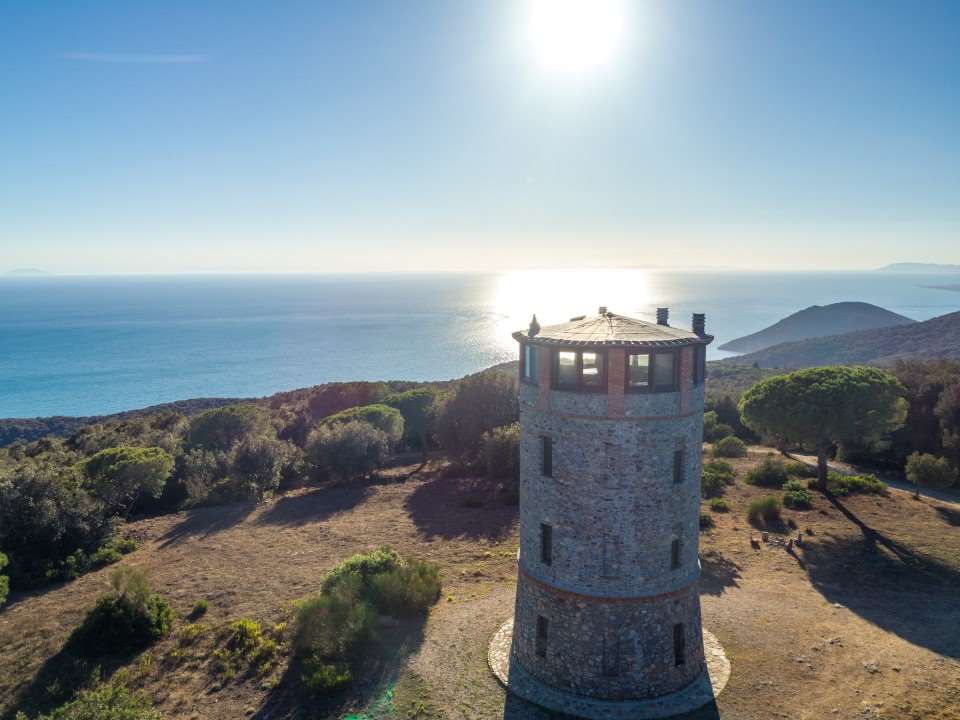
[(663, 378), (530, 369), (567, 369), (638, 370), (592, 370)]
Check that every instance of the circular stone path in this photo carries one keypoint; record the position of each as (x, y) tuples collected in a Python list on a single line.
[(696, 694)]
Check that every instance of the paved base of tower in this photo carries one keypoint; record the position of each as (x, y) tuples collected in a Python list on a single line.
[(697, 694)]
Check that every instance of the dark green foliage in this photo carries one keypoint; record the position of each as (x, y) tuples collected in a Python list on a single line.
[(256, 468), (719, 505), (796, 495), (479, 403), (800, 469), (110, 701), (129, 619), (120, 476), (842, 485), (4, 580), (712, 484), (707, 522), (930, 471), (222, 428), (730, 447), (822, 406), (713, 429), (386, 419), (769, 472), (332, 629), (501, 453), (348, 450), (335, 397), (724, 406), (419, 410), (200, 608), (764, 512)]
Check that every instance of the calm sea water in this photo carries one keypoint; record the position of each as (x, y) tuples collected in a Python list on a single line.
[(91, 345)]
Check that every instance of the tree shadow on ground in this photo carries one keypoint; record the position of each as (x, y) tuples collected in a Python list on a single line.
[(206, 521), (469, 508), (951, 515), (717, 573), (60, 678), (314, 506), (373, 684), (887, 583)]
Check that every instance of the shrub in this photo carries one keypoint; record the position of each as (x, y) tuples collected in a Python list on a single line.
[(419, 410), (706, 522), (730, 447), (256, 467), (347, 451), (384, 418), (721, 467), (200, 608), (800, 469), (110, 701), (843, 485), (479, 403), (719, 505), (925, 470), (335, 624), (764, 512), (121, 476), (408, 590), (796, 496), (365, 565), (501, 454), (712, 484), (713, 429), (324, 678), (246, 646), (222, 428), (770, 472), (129, 619), (4, 580), (335, 397)]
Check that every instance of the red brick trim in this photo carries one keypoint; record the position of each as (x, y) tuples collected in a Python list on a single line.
[(606, 600)]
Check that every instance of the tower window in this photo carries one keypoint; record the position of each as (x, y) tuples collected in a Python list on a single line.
[(579, 370), (678, 474), (546, 543), (699, 364), (679, 645), (543, 628), (546, 456), (652, 372), (675, 555), (531, 365)]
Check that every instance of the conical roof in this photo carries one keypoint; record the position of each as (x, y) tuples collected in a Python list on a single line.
[(611, 329)]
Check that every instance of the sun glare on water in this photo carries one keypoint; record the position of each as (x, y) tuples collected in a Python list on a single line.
[(575, 37)]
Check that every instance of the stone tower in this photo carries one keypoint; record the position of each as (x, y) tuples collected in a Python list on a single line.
[(607, 616)]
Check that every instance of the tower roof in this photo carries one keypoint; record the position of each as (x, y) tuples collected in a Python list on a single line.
[(610, 329)]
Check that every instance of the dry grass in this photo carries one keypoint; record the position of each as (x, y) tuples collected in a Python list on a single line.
[(860, 622)]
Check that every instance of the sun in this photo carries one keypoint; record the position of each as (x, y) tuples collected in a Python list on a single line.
[(575, 37)]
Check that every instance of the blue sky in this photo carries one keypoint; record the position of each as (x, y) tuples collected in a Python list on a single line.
[(323, 136)]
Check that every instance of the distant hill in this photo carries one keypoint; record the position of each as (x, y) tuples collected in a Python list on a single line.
[(818, 321), (935, 338), (27, 271), (916, 267)]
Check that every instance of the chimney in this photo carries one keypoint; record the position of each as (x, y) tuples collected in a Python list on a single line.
[(663, 314), (603, 309), (700, 324), (534, 327)]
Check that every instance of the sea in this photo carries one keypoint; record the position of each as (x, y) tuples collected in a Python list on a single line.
[(72, 345)]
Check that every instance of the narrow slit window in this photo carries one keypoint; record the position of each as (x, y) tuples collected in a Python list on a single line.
[(678, 473), (679, 645), (675, 555), (699, 364), (543, 628), (546, 456), (546, 544), (531, 371)]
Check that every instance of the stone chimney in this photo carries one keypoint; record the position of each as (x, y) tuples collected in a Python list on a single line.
[(663, 315), (534, 327), (700, 324)]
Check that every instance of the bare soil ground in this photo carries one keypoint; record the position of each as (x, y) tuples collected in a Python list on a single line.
[(862, 621)]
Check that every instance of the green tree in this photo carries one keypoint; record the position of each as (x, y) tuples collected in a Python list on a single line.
[(119, 476), (4, 580), (222, 428), (386, 419), (480, 403), (925, 470), (348, 450), (419, 410), (822, 406), (256, 468)]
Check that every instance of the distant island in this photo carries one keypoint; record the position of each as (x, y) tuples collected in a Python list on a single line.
[(27, 271), (938, 337), (818, 321), (918, 267)]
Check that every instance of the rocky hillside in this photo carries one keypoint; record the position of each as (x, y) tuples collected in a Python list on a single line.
[(935, 338), (818, 321)]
